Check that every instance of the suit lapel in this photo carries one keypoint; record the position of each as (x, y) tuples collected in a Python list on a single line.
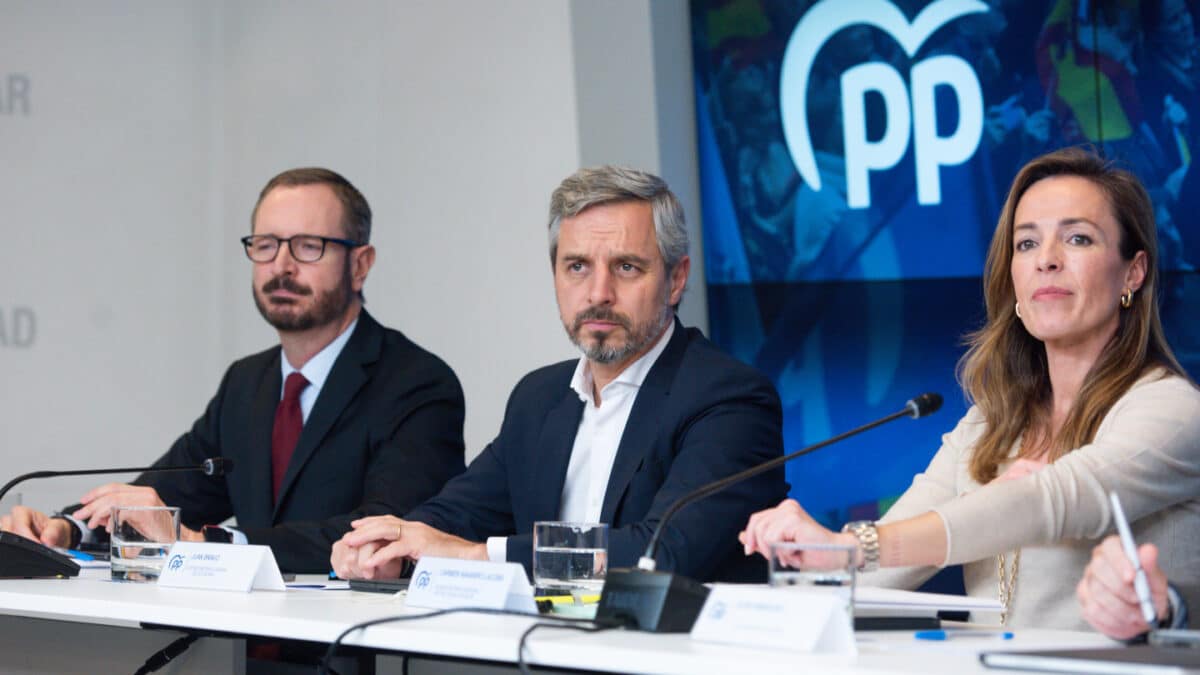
[(638, 438), (347, 376), (553, 454), (257, 457)]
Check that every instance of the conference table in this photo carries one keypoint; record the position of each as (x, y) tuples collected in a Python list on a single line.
[(91, 624)]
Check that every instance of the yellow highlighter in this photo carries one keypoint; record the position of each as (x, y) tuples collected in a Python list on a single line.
[(568, 599)]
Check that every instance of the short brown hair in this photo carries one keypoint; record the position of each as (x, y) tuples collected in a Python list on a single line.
[(356, 213)]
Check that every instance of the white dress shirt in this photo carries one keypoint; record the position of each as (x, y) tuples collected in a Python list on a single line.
[(596, 440), (316, 371)]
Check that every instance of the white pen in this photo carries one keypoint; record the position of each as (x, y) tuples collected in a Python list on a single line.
[(1139, 575)]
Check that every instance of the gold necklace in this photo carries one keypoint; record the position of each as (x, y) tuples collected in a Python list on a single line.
[(1008, 583)]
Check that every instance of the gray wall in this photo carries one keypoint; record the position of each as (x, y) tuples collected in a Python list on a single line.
[(146, 129)]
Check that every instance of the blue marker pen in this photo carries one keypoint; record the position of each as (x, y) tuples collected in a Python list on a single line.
[(956, 633), (80, 555)]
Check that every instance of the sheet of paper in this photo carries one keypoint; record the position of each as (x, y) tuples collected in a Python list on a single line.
[(891, 600), (333, 585), (868, 597)]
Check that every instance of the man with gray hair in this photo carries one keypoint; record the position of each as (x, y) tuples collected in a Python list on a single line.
[(648, 413)]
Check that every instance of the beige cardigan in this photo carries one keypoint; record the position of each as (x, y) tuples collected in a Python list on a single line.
[(1147, 448)]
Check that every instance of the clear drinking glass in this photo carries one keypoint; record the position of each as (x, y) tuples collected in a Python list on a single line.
[(570, 558), (820, 568), (141, 538)]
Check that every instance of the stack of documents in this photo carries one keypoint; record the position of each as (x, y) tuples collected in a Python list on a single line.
[(872, 602), (889, 602)]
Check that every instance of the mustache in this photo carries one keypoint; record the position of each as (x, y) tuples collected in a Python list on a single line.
[(600, 314), (286, 283)]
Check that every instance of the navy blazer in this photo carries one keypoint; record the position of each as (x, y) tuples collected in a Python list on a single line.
[(384, 435), (699, 416)]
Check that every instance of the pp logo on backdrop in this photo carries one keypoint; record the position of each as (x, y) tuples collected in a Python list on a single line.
[(908, 116)]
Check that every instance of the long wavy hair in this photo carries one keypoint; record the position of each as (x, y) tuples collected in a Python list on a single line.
[(1004, 371)]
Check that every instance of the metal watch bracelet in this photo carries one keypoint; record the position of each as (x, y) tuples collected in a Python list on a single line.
[(868, 542)]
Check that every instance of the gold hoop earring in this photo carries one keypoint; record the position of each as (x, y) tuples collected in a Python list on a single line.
[(1017, 309), (1127, 298)]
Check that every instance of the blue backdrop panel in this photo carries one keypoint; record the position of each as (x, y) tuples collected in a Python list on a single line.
[(854, 157)]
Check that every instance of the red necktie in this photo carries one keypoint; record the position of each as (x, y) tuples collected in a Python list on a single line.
[(288, 423)]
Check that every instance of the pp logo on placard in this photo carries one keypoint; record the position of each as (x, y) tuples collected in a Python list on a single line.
[(175, 562), (423, 579), (904, 112), (717, 611)]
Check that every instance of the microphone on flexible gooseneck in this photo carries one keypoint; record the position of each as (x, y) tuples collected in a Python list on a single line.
[(668, 603), (21, 557), (213, 466)]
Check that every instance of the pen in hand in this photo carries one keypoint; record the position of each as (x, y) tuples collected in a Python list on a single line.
[(1140, 584)]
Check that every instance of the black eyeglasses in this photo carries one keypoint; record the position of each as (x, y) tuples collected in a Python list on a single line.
[(263, 248)]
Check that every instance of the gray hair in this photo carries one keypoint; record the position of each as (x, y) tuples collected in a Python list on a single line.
[(608, 184)]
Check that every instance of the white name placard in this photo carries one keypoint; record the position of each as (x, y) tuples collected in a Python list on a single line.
[(446, 583), (796, 620), (221, 567)]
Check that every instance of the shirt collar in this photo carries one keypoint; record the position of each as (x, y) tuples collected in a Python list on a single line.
[(633, 375), (318, 367)]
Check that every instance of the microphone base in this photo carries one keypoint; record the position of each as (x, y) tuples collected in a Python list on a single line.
[(656, 602), (23, 558)]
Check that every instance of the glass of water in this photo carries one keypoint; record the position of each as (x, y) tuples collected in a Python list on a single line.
[(820, 568), (141, 538), (570, 558)]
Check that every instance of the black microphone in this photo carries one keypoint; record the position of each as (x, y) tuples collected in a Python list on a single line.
[(213, 466), (21, 557), (663, 602)]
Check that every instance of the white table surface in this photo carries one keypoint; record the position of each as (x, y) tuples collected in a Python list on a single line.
[(321, 615)]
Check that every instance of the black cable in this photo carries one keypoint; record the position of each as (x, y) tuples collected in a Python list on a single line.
[(324, 669), (592, 627), (167, 654)]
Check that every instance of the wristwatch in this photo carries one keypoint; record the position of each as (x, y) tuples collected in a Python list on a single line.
[(868, 543), (215, 534), (76, 536)]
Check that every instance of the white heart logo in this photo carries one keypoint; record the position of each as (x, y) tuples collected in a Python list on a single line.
[(820, 23)]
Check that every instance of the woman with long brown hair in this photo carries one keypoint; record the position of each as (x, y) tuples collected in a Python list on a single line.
[(1076, 392)]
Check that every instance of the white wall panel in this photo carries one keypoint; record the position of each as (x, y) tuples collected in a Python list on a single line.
[(106, 233)]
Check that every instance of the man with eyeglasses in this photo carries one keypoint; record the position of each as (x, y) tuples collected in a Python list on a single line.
[(344, 419)]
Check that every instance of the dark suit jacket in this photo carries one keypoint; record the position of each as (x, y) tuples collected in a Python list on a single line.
[(699, 416), (384, 435)]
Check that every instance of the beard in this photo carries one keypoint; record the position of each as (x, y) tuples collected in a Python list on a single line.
[(604, 348), (326, 308)]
